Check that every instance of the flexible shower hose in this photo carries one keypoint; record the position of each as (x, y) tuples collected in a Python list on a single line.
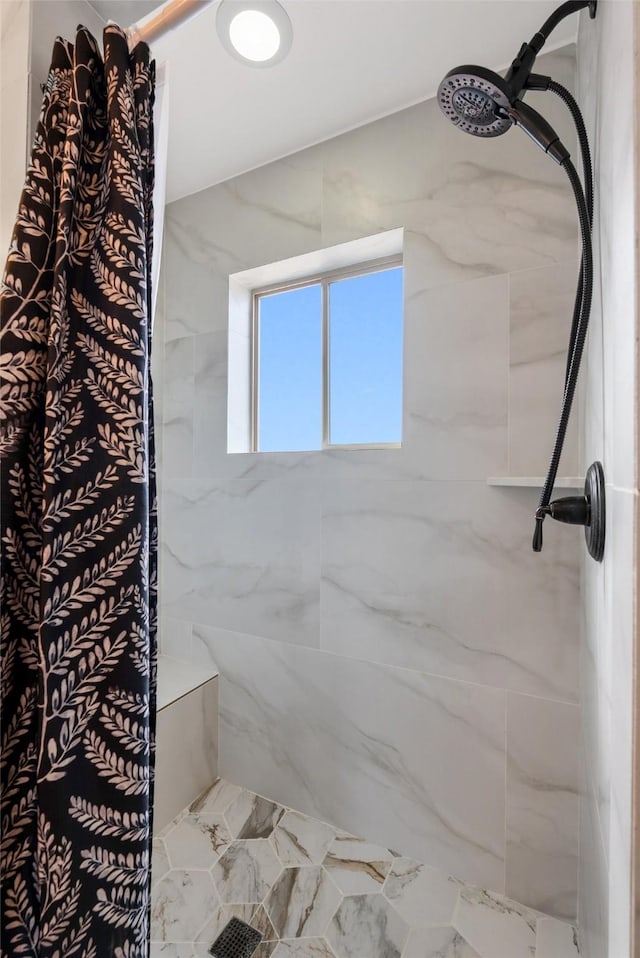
[(582, 307), (587, 173)]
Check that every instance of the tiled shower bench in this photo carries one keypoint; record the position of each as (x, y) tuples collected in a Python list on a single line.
[(187, 735)]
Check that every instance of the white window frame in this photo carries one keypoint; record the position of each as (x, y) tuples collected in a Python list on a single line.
[(323, 279), (280, 273)]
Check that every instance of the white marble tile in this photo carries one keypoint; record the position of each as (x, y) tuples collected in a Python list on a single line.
[(495, 926), (244, 555), (263, 216), (357, 867), (483, 208), (541, 310), (159, 861), (216, 799), (376, 776), (543, 746), (160, 949), (197, 841), (251, 816), (185, 766), (593, 880), (621, 514), (300, 840), (178, 408), (455, 407), (437, 942), (246, 871), (261, 921), (389, 593), (420, 894), (176, 638), (177, 678), (367, 925), (210, 409), (180, 903), (556, 939), (304, 948), (605, 904), (302, 902)]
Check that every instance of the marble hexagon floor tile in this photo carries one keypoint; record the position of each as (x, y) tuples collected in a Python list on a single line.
[(251, 816), (198, 841), (299, 840), (367, 925), (181, 902), (313, 891), (495, 926), (357, 867), (556, 939), (217, 798), (421, 895), (246, 871), (302, 902), (437, 942), (159, 860), (304, 948)]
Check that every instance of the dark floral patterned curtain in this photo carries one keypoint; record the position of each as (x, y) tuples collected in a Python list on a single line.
[(78, 517)]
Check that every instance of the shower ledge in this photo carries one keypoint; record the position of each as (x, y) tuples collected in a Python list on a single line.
[(176, 678), (536, 482)]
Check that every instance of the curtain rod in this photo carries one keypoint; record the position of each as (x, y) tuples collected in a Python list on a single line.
[(166, 18)]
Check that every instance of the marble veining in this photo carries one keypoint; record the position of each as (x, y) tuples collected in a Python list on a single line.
[(356, 866), (309, 909), (438, 942), (351, 597), (367, 924), (245, 871), (422, 895), (302, 901), (299, 840), (253, 816)]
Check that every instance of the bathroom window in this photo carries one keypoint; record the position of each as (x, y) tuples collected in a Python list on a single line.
[(327, 360)]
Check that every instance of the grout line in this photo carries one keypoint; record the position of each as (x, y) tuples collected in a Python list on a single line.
[(385, 665), (506, 788)]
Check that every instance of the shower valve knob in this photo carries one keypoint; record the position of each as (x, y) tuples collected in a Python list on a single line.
[(572, 509), (587, 510)]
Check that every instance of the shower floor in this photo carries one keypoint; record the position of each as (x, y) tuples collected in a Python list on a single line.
[(314, 891)]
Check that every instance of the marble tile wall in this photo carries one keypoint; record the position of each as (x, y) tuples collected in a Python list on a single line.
[(607, 63), (389, 648)]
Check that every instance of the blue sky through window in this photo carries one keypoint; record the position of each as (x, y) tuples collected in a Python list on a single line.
[(365, 358), (365, 363), (290, 375)]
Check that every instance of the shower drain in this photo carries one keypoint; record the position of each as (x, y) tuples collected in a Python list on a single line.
[(237, 940)]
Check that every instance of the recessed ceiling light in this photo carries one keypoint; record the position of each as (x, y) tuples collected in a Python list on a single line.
[(256, 32)]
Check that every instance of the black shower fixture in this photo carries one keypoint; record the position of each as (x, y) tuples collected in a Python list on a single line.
[(481, 102)]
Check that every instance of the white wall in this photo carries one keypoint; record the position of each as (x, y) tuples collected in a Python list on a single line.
[(390, 649), (14, 109), (607, 88), (28, 29)]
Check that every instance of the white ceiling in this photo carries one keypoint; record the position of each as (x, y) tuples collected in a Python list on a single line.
[(352, 61)]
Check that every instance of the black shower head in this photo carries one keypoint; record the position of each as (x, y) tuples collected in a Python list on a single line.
[(476, 100), (480, 102)]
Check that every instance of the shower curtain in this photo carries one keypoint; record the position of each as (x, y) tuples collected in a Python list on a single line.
[(78, 524)]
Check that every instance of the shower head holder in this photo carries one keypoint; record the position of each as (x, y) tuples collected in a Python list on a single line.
[(481, 102)]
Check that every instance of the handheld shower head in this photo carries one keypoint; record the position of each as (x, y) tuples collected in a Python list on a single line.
[(480, 102), (476, 100)]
